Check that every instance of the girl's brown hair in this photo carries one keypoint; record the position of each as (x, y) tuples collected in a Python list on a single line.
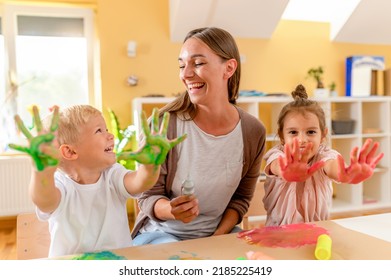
[(302, 105), (223, 44)]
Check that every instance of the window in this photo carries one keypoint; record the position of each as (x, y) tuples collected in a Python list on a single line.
[(5, 126), (48, 60)]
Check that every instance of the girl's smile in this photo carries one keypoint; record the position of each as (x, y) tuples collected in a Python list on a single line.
[(304, 127)]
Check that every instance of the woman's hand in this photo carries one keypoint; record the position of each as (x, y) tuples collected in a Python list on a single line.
[(41, 149), (294, 166), (156, 146), (362, 163), (184, 208)]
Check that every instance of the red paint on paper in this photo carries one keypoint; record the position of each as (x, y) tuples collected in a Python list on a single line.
[(287, 236)]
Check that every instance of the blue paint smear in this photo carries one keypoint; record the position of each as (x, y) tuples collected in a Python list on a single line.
[(104, 255)]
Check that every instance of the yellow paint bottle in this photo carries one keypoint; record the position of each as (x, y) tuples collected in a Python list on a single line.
[(323, 247)]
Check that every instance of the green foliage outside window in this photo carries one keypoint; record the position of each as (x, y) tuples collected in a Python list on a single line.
[(124, 139)]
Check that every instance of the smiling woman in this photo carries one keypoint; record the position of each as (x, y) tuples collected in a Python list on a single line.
[(225, 145)]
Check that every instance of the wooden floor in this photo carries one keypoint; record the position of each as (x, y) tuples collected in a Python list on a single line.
[(8, 231), (8, 238)]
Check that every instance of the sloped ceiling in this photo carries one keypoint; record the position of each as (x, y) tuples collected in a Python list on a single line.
[(243, 18), (369, 23), (361, 21)]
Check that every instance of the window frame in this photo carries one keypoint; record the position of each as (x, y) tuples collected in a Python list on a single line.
[(9, 14)]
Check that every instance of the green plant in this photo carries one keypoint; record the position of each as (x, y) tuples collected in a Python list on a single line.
[(124, 139), (317, 75), (332, 86)]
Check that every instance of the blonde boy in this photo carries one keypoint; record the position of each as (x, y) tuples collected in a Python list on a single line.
[(84, 197)]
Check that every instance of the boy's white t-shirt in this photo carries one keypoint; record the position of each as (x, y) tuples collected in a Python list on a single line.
[(90, 217)]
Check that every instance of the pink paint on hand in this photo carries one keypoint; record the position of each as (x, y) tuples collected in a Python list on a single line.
[(287, 236)]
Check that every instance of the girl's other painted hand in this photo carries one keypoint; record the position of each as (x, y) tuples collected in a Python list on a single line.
[(362, 163)]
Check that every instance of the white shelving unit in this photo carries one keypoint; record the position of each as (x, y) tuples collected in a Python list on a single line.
[(372, 120)]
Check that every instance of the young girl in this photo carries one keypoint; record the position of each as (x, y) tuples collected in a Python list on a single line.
[(300, 170)]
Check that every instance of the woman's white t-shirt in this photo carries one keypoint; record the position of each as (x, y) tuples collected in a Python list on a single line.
[(214, 164)]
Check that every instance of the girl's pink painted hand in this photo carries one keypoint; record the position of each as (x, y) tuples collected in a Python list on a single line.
[(294, 166), (362, 164)]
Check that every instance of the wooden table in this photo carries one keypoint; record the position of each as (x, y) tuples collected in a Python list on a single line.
[(347, 244)]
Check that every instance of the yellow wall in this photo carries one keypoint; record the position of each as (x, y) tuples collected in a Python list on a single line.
[(155, 64), (272, 65)]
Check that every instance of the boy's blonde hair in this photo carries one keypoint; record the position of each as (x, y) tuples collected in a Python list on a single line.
[(70, 122)]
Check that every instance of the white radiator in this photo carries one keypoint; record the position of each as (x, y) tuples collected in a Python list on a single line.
[(15, 173)]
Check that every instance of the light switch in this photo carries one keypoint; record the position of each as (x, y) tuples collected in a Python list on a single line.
[(132, 48)]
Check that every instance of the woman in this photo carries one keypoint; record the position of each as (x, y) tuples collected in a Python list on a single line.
[(222, 154)]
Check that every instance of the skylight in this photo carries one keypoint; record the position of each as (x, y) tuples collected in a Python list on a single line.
[(336, 12)]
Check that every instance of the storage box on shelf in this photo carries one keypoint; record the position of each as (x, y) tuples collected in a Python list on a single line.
[(371, 117)]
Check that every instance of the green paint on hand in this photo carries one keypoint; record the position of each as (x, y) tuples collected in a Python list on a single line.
[(40, 159), (156, 145)]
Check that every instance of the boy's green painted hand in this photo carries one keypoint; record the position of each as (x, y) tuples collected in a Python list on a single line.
[(40, 158), (156, 146)]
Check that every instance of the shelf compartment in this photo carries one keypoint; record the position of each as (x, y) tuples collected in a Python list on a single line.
[(250, 107), (347, 194), (376, 190), (347, 110), (375, 119), (345, 145)]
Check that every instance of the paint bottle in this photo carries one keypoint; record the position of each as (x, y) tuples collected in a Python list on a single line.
[(323, 247), (187, 186)]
